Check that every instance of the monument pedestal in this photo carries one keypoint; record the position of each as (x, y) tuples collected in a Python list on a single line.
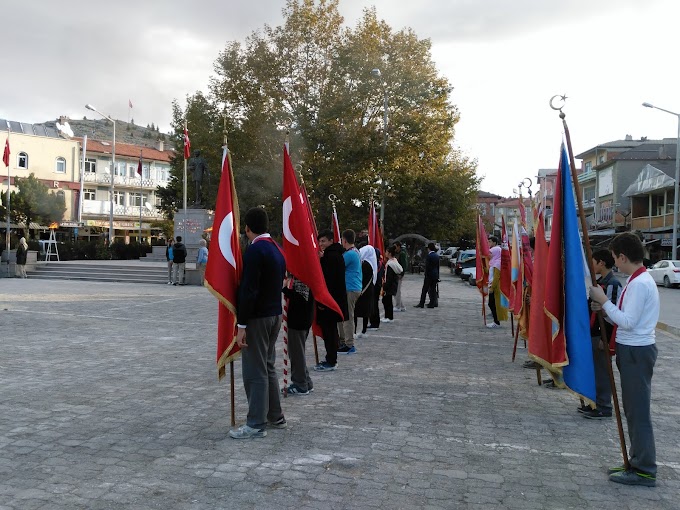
[(192, 228)]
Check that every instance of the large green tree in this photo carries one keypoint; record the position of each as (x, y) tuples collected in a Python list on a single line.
[(312, 77), (33, 203)]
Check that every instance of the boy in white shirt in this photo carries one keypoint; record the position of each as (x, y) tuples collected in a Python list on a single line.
[(635, 320)]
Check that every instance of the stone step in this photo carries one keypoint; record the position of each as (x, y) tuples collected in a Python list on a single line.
[(101, 272)]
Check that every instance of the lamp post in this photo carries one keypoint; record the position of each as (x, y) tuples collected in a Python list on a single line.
[(677, 181), (376, 72), (113, 166)]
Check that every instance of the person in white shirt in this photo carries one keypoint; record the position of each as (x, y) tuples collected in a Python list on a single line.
[(635, 320)]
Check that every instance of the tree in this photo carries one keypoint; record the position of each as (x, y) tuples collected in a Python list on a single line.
[(33, 202), (312, 76)]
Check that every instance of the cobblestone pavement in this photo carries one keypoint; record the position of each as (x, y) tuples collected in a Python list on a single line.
[(109, 399)]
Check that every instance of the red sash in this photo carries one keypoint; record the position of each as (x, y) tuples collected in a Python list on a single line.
[(612, 340)]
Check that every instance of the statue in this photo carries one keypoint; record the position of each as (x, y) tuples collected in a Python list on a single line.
[(199, 171)]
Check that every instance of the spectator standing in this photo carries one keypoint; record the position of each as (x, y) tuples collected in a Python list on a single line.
[(22, 255), (179, 258), (494, 282), (168, 257), (364, 305), (202, 258), (259, 321), (402, 258), (377, 291), (353, 287), (431, 278), (392, 272), (300, 316), (333, 267)]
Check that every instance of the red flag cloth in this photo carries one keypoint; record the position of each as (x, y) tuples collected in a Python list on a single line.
[(305, 197), (139, 165), (299, 242), (187, 144), (506, 264), (540, 342), (526, 246), (336, 227), (483, 257), (223, 271), (554, 285), (5, 154)]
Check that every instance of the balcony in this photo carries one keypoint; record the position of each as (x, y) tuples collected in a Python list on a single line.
[(606, 215), (102, 208), (652, 222), (121, 180)]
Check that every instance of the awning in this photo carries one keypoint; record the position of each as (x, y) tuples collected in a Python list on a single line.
[(649, 179)]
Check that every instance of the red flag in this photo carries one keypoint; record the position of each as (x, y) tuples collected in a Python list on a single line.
[(299, 242), (540, 341), (130, 103), (139, 165), (223, 271), (375, 235), (526, 246), (336, 227), (506, 264), (5, 154), (483, 257), (187, 144)]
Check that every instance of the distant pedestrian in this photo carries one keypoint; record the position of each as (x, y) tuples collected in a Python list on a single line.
[(353, 287), (259, 321), (392, 272), (333, 267), (300, 316), (202, 258), (402, 258), (179, 258), (369, 272), (22, 255), (431, 278), (168, 257)]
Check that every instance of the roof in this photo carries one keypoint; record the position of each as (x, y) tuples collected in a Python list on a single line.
[(649, 179), (28, 129), (547, 172), (663, 150), (128, 150), (486, 194)]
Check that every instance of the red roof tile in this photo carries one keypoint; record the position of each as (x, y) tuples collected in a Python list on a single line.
[(128, 150)]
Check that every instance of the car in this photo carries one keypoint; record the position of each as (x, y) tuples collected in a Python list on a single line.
[(447, 255), (466, 258), (666, 272), (471, 273)]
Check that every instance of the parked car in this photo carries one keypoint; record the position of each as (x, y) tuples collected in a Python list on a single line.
[(447, 255), (666, 272), (470, 274), (466, 258)]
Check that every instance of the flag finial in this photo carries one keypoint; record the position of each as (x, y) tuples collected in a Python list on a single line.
[(224, 129)]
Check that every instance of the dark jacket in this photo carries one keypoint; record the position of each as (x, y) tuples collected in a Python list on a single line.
[(432, 266), (612, 287), (179, 253), (333, 267), (259, 293), (391, 282), (364, 304), (21, 256), (300, 308)]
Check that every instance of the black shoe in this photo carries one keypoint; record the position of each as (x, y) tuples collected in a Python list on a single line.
[(533, 364), (432, 306), (596, 414), (549, 383), (419, 306), (585, 408)]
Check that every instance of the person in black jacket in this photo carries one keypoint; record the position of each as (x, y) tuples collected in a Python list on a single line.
[(377, 291), (258, 319), (392, 272), (431, 278), (22, 253), (364, 305), (333, 267), (300, 316), (179, 258)]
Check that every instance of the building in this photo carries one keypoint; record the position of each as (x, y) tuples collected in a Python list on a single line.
[(543, 200), (486, 207)]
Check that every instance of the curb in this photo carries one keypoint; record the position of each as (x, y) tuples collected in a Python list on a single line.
[(673, 330)]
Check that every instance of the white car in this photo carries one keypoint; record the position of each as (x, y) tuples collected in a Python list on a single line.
[(470, 274), (666, 272)]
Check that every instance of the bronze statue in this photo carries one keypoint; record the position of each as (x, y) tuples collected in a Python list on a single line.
[(199, 171)]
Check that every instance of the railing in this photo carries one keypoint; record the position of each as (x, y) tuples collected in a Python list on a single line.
[(102, 208), (606, 214), (647, 222), (122, 180)]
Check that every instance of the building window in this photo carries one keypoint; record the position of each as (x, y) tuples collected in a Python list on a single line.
[(589, 167), (119, 170), (90, 166), (89, 194), (119, 198), (61, 195), (134, 199), (600, 160), (60, 167), (589, 194), (22, 160)]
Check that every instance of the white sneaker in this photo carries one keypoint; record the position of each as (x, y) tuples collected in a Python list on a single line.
[(386, 320), (246, 432), (493, 325), (402, 310)]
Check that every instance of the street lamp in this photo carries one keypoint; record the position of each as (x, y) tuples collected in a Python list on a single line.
[(376, 72), (677, 179), (113, 171)]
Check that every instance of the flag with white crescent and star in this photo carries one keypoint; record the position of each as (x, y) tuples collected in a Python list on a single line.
[(223, 271), (299, 242)]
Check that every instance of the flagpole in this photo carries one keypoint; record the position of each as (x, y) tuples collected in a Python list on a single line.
[(589, 260), (9, 179), (184, 224), (316, 235), (140, 197)]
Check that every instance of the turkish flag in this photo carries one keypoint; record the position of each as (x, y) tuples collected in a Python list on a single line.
[(187, 144), (506, 264), (139, 165), (299, 242), (223, 271), (5, 154), (375, 236)]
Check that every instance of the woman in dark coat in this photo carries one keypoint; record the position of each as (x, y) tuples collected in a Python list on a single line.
[(22, 252), (369, 269), (392, 272)]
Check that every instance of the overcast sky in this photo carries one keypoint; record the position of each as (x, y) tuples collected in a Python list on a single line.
[(506, 59)]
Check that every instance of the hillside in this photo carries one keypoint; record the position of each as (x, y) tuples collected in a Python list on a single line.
[(102, 129)]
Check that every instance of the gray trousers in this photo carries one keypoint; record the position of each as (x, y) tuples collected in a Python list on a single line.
[(603, 387), (346, 329), (398, 303), (299, 374), (636, 366), (259, 372), (170, 271), (179, 271)]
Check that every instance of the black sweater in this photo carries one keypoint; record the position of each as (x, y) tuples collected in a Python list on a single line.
[(300, 310)]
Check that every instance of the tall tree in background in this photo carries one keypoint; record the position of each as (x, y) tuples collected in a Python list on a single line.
[(34, 203), (312, 76)]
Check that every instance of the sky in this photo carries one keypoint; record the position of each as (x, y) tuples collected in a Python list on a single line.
[(505, 60)]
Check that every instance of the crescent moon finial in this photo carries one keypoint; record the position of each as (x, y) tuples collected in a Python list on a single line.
[(562, 98)]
